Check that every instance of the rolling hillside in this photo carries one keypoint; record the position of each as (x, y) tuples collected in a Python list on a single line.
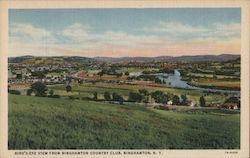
[(50, 123)]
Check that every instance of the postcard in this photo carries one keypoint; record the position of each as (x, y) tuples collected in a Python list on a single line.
[(124, 79)]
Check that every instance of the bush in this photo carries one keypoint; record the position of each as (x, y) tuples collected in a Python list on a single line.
[(135, 97), (14, 92), (29, 92), (68, 88), (54, 96), (160, 97)]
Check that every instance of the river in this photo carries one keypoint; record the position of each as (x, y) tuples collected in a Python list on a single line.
[(174, 80)]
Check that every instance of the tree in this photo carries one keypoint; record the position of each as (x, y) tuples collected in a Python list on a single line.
[(39, 88), (126, 73), (135, 97), (184, 99), (157, 96), (143, 92), (157, 80), (176, 100), (145, 95), (80, 81), (119, 75), (202, 101), (68, 88), (95, 96), (164, 99), (101, 73), (118, 98), (29, 91), (233, 100), (107, 96), (51, 93)]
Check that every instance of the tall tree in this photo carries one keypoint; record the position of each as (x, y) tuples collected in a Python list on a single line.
[(95, 96), (202, 101), (107, 96), (39, 88)]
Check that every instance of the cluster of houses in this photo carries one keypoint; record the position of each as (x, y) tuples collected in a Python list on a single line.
[(19, 73)]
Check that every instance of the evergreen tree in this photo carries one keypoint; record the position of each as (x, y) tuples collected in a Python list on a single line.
[(202, 101)]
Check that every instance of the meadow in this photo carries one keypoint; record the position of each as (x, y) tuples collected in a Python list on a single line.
[(87, 89), (52, 123)]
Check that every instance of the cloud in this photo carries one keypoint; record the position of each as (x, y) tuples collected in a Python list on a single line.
[(175, 27), (76, 32), (80, 40), (29, 31), (80, 34), (226, 30)]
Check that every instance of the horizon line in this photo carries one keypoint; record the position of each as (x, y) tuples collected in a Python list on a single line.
[(122, 56)]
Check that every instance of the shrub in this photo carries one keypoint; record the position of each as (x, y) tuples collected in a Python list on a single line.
[(29, 92), (68, 88), (14, 92), (135, 97), (55, 96)]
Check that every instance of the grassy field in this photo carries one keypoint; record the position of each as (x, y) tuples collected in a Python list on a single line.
[(216, 83), (87, 89), (209, 75), (50, 123)]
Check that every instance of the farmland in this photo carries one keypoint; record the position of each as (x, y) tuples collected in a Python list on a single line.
[(52, 123), (86, 90)]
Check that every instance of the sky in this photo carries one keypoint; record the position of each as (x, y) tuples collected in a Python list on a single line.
[(124, 32)]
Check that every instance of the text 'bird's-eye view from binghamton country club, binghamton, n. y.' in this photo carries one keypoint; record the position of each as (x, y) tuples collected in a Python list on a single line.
[(148, 78)]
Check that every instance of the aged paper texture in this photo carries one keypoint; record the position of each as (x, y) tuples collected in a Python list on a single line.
[(124, 78)]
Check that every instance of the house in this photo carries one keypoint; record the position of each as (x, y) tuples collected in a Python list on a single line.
[(215, 105), (230, 105), (170, 102), (191, 103)]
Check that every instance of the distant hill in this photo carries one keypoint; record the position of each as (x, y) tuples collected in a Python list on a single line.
[(133, 59), (19, 59), (223, 57), (28, 59)]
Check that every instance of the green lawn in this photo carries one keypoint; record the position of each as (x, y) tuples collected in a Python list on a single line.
[(51, 123)]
